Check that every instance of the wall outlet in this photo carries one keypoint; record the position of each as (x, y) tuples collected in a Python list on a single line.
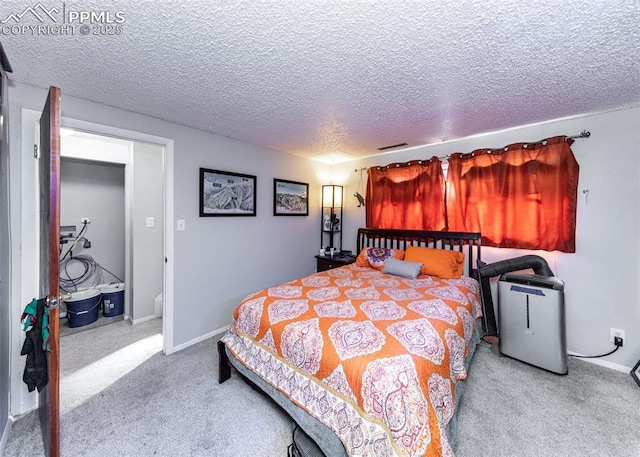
[(616, 332), (85, 220)]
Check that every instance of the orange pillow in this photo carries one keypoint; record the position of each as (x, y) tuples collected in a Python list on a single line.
[(375, 257), (436, 262)]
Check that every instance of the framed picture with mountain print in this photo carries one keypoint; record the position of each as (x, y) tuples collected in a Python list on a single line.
[(635, 373), (290, 198), (223, 193)]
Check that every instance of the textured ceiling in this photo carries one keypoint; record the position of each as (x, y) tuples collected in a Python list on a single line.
[(335, 80)]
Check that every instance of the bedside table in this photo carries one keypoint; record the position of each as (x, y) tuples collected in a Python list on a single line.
[(326, 262)]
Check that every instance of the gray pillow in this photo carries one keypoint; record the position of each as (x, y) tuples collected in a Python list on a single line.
[(402, 268)]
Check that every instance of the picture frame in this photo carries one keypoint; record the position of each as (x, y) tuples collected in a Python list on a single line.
[(225, 193), (290, 198), (635, 373)]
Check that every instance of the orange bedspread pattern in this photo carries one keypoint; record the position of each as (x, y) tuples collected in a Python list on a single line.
[(373, 356)]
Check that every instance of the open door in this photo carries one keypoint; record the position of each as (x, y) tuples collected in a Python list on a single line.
[(49, 178)]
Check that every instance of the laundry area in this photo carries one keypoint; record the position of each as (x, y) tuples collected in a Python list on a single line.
[(111, 231)]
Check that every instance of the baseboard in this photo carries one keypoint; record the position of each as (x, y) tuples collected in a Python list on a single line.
[(143, 319), (200, 338), (5, 436), (604, 363)]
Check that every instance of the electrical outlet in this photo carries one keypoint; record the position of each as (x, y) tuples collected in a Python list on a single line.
[(616, 332), (85, 220)]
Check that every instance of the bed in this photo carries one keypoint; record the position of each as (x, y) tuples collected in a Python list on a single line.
[(367, 362)]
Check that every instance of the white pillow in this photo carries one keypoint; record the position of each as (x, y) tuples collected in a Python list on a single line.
[(402, 268)]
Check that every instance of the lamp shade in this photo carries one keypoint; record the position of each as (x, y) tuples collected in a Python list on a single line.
[(332, 196)]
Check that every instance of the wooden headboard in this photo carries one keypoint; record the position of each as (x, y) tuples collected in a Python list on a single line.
[(468, 243)]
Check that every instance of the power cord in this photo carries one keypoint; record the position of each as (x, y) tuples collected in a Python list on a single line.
[(92, 269), (78, 238), (616, 340), (91, 276), (120, 280)]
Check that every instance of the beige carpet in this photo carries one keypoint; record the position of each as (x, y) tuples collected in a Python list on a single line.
[(122, 397)]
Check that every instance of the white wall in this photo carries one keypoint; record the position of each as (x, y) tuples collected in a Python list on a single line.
[(5, 278), (216, 261), (602, 277), (222, 258), (148, 242)]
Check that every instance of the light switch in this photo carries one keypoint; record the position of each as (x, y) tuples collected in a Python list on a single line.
[(181, 225), (151, 222)]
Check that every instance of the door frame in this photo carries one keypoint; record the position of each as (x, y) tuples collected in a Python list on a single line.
[(24, 246)]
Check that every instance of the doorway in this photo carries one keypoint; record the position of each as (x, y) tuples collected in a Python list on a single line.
[(112, 208), (112, 194), (92, 243), (25, 259)]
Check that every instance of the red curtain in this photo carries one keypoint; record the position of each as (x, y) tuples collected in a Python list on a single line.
[(522, 196), (406, 196)]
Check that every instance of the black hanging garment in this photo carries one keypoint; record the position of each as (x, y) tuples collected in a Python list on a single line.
[(35, 371)]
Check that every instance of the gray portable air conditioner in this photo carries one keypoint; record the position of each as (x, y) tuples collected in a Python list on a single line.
[(532, 321)]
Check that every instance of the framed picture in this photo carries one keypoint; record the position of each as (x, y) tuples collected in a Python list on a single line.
[(223, 193), (635, 373), (290, 198)]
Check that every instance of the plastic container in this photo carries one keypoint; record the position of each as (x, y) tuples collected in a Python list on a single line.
[(112, 299), (82, 307)]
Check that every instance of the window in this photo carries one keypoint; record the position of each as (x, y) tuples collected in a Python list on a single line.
[(522, 196), (407, 196)]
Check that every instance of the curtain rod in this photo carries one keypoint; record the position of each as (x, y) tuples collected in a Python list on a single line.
[(584, 134)]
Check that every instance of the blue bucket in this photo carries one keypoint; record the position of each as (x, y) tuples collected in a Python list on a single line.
[(82, 307), (112, 299)]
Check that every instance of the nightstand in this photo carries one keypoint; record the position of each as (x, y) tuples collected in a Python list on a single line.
[(326, 262)]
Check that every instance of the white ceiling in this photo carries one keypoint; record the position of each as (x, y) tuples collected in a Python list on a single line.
[(335, 80)]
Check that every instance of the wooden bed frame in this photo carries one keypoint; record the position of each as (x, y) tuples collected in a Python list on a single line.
[(467, 242)]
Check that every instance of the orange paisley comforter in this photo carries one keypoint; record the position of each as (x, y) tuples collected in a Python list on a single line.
[(374, 357)]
